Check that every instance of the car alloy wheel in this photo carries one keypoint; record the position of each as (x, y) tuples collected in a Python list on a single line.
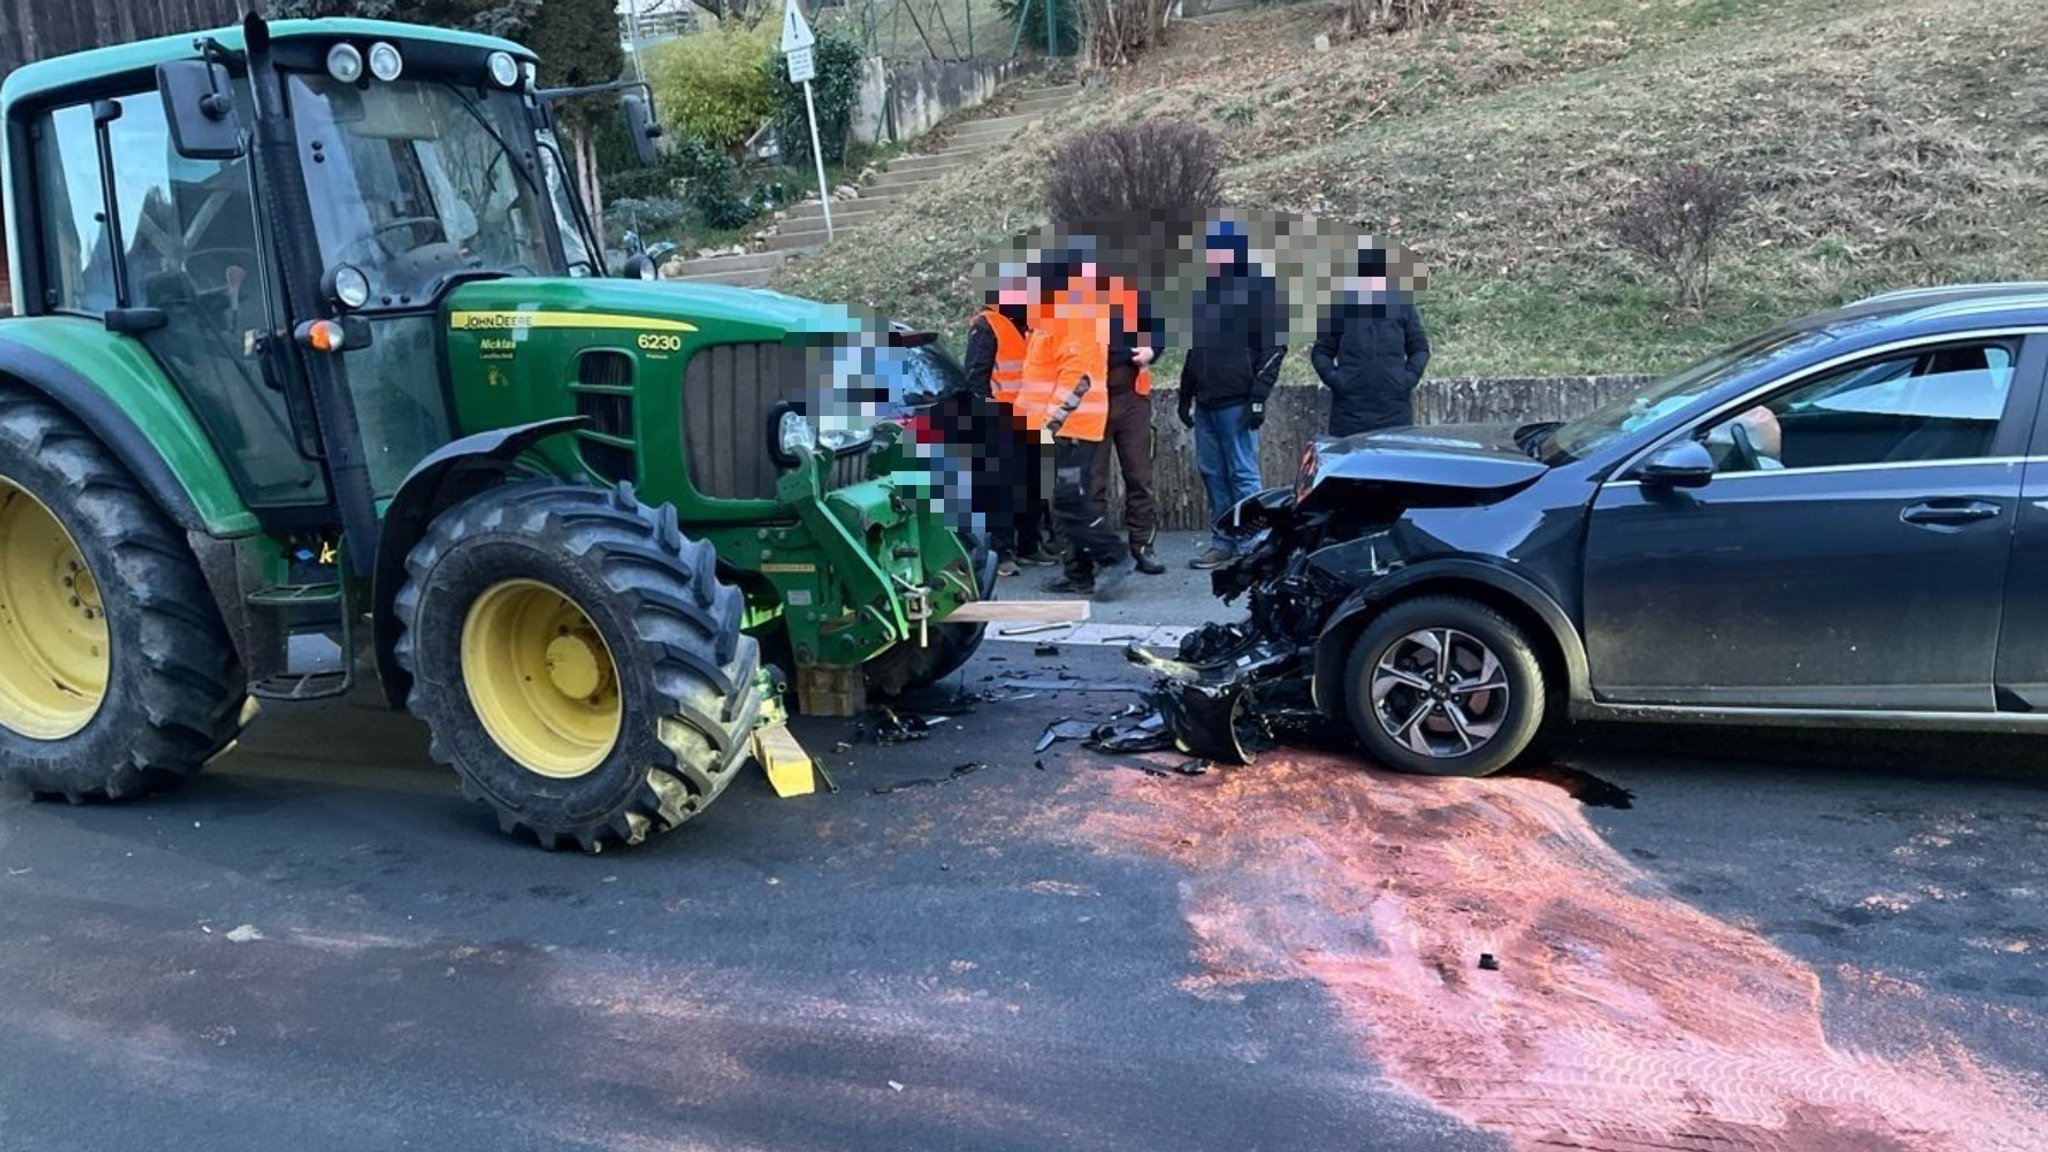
[(1444, 686), (1441, 692)]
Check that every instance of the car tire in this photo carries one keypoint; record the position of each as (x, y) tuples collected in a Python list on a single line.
[(1471, 713)]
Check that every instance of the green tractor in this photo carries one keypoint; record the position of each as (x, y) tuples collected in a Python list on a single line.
[(313, 339)]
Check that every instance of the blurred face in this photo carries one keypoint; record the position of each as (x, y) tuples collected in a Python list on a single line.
[(1217, 257), (1014, 290)]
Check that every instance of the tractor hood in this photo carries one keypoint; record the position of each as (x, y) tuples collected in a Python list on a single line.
[(1460, 460), (721, 312)]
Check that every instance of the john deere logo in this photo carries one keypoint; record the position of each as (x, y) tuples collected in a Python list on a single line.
[(494, 377)]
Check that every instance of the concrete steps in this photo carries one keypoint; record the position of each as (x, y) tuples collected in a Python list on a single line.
[(803, 229)]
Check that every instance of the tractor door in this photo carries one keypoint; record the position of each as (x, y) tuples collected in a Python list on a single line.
[(187, 232)]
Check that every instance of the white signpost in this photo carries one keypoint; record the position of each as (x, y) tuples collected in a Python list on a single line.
[(797, 52)]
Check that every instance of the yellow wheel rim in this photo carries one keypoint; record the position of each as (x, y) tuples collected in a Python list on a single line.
[(541, 679), (54, 652)]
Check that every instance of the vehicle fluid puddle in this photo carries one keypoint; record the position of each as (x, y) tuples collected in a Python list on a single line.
[(1609, 1014)]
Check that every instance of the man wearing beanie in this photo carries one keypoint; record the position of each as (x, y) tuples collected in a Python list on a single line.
[(1370, 351), (1237, 341)]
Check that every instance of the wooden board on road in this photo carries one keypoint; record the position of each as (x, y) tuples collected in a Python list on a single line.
[(1020, 611)]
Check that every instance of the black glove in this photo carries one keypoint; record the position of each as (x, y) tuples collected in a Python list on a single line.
[(1255, 415), (1187, 413)]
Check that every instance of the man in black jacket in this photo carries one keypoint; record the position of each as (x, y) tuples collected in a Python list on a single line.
[(1237, 341), (1370, 351)]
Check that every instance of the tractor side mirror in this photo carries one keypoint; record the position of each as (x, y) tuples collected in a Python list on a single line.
[(641, 127), (1680, 464), (199, 103)]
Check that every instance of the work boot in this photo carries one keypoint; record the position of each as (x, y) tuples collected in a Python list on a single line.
[(1142, 556), (1072, 585), (1037, 557), (1109, 581), (1214, 558), (1007, 566)]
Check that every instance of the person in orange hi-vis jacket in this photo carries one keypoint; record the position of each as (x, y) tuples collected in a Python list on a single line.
[(1065, 398), (996, 346)]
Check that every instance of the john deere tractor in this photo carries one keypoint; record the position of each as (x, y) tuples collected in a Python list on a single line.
[(314, 340)]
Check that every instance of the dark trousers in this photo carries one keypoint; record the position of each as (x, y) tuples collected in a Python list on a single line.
[(1019, 527), (1079, 510), (1130, 439)]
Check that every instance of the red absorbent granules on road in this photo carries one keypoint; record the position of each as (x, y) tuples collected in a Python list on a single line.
[(1618, 1018)]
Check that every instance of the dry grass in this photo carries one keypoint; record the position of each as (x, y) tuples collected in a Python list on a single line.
[(1900, 142)]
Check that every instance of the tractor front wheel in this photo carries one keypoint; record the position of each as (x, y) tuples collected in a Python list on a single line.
[(578, 662), (116, 672)]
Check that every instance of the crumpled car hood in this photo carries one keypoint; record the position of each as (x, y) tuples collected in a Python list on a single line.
[(1469, 457)]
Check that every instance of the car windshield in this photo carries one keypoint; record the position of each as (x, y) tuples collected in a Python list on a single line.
[(1627, 413), (413, 181)]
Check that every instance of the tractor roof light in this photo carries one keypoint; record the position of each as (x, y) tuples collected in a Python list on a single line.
[(346, 286), (504, 69), (345, 63), (385, 62)]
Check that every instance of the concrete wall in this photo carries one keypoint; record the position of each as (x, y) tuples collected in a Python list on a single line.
[(1297, 414), (903, 100)]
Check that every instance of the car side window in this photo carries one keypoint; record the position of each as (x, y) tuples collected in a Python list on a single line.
[(1928, 404)]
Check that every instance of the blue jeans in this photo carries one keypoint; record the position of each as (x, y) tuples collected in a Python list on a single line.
[(1227, 451)]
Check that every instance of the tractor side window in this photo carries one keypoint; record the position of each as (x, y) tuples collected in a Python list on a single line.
[(187, 235)]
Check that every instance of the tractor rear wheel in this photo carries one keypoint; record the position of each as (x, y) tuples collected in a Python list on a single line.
[(578, 662), (116, 672)]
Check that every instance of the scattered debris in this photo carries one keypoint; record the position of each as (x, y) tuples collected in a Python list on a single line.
[(245, 934), (19, 871), (842, 746), (895, 1087), (887, 726), (959, 770), (1195, 767), (825, 774), (1064, 728), (1032, 629), (1046, 650), (1488, 962)]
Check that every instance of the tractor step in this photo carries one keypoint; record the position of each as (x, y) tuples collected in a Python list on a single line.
[(296, 596), (303, 685)]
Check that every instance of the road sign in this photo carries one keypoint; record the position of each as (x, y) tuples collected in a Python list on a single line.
[(796, 31), (803, 65)]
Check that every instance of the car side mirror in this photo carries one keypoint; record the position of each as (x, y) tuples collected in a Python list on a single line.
[(1681, 464), (641, 127), (199, 103)]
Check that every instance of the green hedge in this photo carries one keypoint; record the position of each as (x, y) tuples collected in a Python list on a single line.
[(836, 90)]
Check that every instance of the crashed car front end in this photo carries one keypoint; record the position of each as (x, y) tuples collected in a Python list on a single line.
[(1310, 559)]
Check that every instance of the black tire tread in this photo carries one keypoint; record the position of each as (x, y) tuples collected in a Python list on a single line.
[(188, 702), (704, 670)]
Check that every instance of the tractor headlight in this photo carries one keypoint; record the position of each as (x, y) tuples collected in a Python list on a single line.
[(345, 63), (794, 436), (347, 287), (504, 69), (385, 62)]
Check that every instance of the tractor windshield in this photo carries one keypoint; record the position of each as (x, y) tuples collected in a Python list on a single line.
[(415, 180)]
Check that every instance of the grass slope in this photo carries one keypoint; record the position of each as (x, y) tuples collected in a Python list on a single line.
[(1888, 142)]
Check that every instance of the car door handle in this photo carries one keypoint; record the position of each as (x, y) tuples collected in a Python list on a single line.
[(1948, 513)]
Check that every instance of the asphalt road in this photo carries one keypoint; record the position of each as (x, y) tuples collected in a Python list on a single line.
[(318, 945)]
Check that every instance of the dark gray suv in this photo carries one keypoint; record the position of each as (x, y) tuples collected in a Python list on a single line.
[(1842, 521)]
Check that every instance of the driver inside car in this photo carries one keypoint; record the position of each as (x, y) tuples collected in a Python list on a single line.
[(1751, 442)]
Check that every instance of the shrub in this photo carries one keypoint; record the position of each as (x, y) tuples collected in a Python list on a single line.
[(712, 86), (1031, 13), (1672, 221), (835, 90), (1160, 170), (1362, 16), (1120, 29), (654, 218)]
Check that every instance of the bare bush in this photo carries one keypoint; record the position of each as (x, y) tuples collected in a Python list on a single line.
[(1159, 169), (1362, 16), (1672, 222), (1118, 30)]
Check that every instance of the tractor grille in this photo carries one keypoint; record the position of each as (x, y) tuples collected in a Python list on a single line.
[(604, 397), (729, 392)]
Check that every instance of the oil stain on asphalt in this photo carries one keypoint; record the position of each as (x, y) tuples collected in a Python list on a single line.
[(1616, 1016)]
